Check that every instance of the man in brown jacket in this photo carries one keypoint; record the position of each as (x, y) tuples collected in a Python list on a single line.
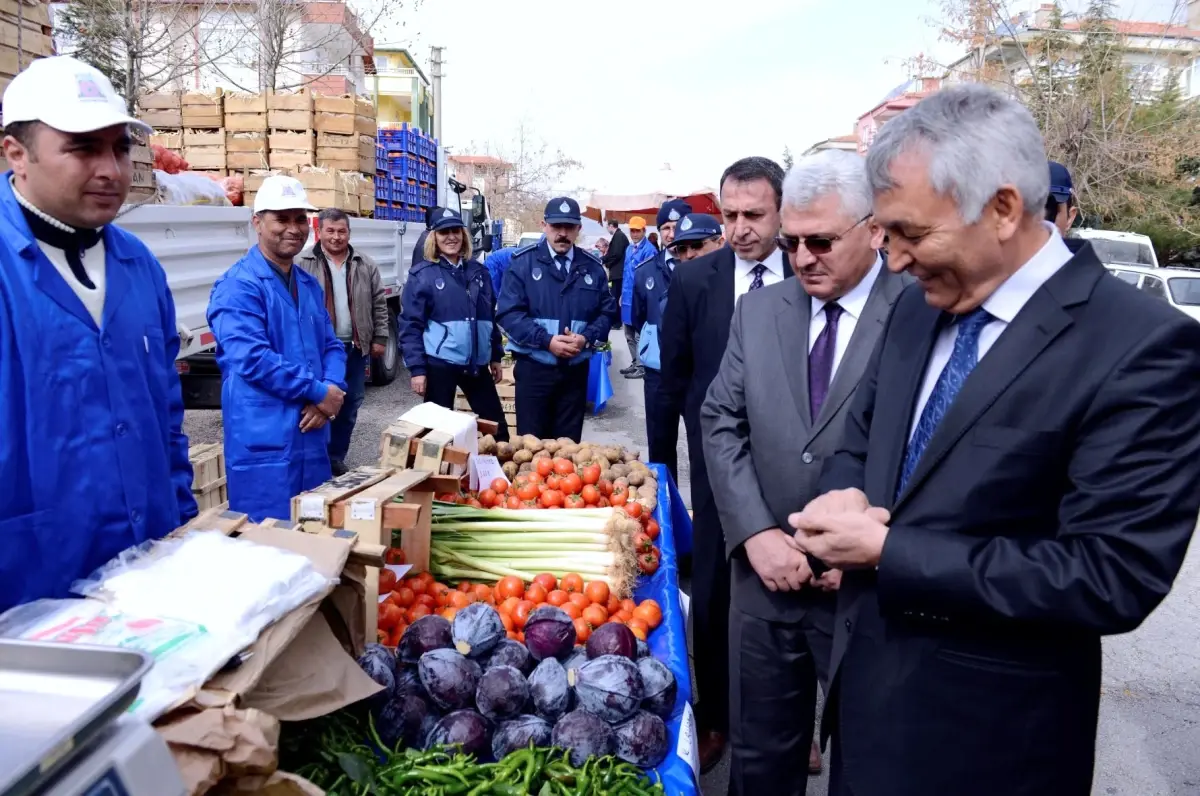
[(357, 306)]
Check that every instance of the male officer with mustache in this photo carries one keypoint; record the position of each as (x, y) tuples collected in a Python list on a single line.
[(554, 306)]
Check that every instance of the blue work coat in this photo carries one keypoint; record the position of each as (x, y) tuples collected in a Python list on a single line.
[(497, 264), (448, 315), (277, 354), (92, 458), (650, 284), (538, 301), (635, 255)]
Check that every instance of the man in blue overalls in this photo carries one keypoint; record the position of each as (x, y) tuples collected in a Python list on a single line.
[(650, 296), (554, 306)]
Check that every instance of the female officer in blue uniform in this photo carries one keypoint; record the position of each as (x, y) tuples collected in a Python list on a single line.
[(555, 306), (448, 330)]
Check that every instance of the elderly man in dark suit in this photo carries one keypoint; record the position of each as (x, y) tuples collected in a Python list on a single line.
[(692, 338), (1020, 474), (811, 336)]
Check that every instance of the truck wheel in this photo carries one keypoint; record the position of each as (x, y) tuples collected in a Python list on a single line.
[(384, 369)]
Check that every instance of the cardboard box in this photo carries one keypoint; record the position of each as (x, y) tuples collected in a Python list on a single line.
[(246, 103), (169, 119), (245, 122)]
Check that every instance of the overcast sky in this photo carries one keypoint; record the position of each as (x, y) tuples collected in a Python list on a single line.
[(638, 84)]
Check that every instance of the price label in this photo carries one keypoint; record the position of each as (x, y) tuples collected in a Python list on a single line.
[(362, 510), (312, 507), (688, 742), (486, 470)]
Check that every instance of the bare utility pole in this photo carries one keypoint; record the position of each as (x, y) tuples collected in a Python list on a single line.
[(435, 71)]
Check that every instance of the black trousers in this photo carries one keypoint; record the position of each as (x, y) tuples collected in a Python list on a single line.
[(441, 382), (710, 604), (551, 399), (650, 382), (774, 668)]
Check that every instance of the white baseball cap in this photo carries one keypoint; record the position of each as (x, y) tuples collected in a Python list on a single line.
[(278, 192), (68, 95)]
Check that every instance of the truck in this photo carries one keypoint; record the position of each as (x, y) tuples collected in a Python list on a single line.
[(197, 244)]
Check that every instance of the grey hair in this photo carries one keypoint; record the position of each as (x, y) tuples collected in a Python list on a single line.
[(332, 214), (977, 141), (831, 172)]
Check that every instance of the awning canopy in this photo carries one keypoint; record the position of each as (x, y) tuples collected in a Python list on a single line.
[(662, 186)]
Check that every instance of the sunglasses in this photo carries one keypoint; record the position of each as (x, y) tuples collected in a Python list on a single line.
[(816, 244), (690, 245)]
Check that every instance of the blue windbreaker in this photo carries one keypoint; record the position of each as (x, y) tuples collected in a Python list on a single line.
[(649, 300), (635, 255), (276, 355), (92, 458), (497, 264), (448, 315), (538, 301)]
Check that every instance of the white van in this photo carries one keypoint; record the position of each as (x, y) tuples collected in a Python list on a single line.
[(1119, 248)]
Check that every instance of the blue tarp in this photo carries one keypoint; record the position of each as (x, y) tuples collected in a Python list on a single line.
[(668, 643), (599, 388)]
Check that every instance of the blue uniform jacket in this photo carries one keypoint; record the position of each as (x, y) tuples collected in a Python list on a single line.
[(92, 458), (448, 315), (650, 285), (538, 301), (635, 255), (497, 264), (276, 355)]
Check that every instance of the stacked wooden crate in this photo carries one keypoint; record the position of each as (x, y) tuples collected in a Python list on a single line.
[(25, 35), (142, 188), (507, 390), (346, 132), (203, 131), (208, 475), (246, 131), (292, 142)]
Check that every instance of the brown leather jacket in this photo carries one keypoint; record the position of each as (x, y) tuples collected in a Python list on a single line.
[(368, 305)]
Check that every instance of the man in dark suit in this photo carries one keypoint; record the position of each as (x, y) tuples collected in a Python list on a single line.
[(614, 258), (1020, 474), (694, 331), (764, 456)]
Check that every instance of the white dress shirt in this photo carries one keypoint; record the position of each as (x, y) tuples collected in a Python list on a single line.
[(570, 255), (1003, 305), (853, 304), (742, 277)]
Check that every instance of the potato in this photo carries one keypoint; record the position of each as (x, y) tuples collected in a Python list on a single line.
[(568, 450), (603, 461), (522, 456), (551, 447), (648, 503), (533, 444), (630, 456), (504, 451), (542, 454), (612, 453), (606, 475), (636, 477), (564, 441), (580, 459), (619, 470), (487, 445), (510, 469), (647, 491), (525, 468), (650, 484), (620, 481)]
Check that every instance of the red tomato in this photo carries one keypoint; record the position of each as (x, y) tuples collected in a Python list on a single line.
[(546, 581), (552, 498), (575, 502), (387, 581), (527, 491), (618, 497), (514, 502), (488, 498), (552, 482), (591, 474), (571, 484), (591, 495), (652, 529), (633, 509), (606, 488), (499, 486), (564, 466), (544, 466)]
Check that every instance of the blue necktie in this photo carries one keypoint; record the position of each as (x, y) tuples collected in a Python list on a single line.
[(757, 272), (962, 361), (561, 259)]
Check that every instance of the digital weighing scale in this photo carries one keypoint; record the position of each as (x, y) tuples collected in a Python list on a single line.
[(63, 726)]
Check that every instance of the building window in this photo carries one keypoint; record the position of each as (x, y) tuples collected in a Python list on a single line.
[(381, 63)]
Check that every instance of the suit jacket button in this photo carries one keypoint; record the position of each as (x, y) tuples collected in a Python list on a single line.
[(848, 624), (807, 458)]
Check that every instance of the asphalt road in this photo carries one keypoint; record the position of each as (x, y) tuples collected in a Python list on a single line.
[(1149, 737)]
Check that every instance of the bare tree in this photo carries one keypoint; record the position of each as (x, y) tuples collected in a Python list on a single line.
[(1128, 136), (287, 44), (535, 170), (140, 45)]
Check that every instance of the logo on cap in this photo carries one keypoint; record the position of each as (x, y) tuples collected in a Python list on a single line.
[(674, 214), (88, 88), (564, 207), (287, 189), (686, 225), (447, 213)]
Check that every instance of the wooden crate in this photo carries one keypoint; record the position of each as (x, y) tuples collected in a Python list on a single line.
[(290, 111), (506, 390), (208, 464), (214, 495), (246, 150), (203, 111)]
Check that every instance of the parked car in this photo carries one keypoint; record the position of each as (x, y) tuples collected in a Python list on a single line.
[(1179, 287), (1119, 248)]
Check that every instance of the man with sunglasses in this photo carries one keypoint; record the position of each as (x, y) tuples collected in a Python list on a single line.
[(692, 339), (765, 452), (696, 235), (650, 283)]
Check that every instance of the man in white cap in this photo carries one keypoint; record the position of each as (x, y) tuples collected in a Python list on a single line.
[(92, 456), (283, 369)]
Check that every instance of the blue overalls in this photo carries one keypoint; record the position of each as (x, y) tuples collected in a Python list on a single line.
[(650, 284), (540, 299), (448, 334)]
